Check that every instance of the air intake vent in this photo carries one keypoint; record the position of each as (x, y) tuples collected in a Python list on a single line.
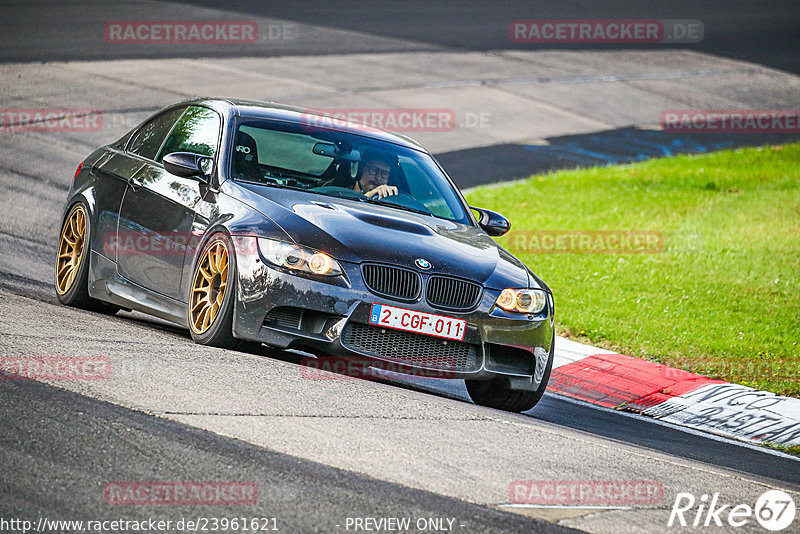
[(392, 282), (284, 317), (452, 293), (415, 349)]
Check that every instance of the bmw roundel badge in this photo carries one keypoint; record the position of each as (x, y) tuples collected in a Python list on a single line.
[(423, 264)]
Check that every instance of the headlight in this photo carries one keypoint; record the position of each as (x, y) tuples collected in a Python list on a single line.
[(297, 258), (522, 300)]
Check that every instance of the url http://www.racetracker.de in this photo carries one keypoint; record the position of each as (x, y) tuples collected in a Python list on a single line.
[(197, 524)]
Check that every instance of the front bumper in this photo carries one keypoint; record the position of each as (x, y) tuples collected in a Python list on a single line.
[(331, 316)]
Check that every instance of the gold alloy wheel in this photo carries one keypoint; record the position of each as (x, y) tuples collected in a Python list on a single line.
[(208, 287), (70, 249)]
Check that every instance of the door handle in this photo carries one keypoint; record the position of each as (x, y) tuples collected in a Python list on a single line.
[(136, 183)]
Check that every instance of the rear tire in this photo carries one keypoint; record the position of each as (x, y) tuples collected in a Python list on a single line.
[(495, 392), (72, 262)]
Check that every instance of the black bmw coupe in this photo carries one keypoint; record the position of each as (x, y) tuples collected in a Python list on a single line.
[(249, 222)]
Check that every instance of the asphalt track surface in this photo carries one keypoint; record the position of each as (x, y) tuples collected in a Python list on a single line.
[(748, 30), (98, 442), (177, 411)]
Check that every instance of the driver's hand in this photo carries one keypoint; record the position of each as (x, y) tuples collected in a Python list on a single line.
[(382, 191)]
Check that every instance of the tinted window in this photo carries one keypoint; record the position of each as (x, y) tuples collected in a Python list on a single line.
[(436, 195), (285, 150), (331, 163), (149, 138), (197, 131)]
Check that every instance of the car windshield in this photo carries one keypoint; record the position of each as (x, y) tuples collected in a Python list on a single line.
[(339, 164)]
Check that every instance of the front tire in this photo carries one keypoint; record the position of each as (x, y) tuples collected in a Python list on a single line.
[(212, 294), (495, 392)]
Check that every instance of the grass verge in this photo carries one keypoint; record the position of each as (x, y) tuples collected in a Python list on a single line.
[(714, 287)]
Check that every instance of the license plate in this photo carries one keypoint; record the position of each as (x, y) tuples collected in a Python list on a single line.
[(419, 322)]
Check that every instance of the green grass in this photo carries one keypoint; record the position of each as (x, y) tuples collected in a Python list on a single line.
[(794, 449), (722, 298)]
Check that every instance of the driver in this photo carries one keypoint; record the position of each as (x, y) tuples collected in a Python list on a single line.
[(374, 172)]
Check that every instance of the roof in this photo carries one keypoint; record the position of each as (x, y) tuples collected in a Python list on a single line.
[(270, 110)]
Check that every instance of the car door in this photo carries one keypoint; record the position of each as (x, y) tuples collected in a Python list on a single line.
[(157, 211), (114, 170)]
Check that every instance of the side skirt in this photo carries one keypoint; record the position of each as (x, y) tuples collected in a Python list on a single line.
[(107, 285)]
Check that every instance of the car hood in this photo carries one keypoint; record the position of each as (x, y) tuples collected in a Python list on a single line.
[(358, 232)]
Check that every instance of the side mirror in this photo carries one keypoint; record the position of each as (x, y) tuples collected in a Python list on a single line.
[(188, 165), (492, 222)]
